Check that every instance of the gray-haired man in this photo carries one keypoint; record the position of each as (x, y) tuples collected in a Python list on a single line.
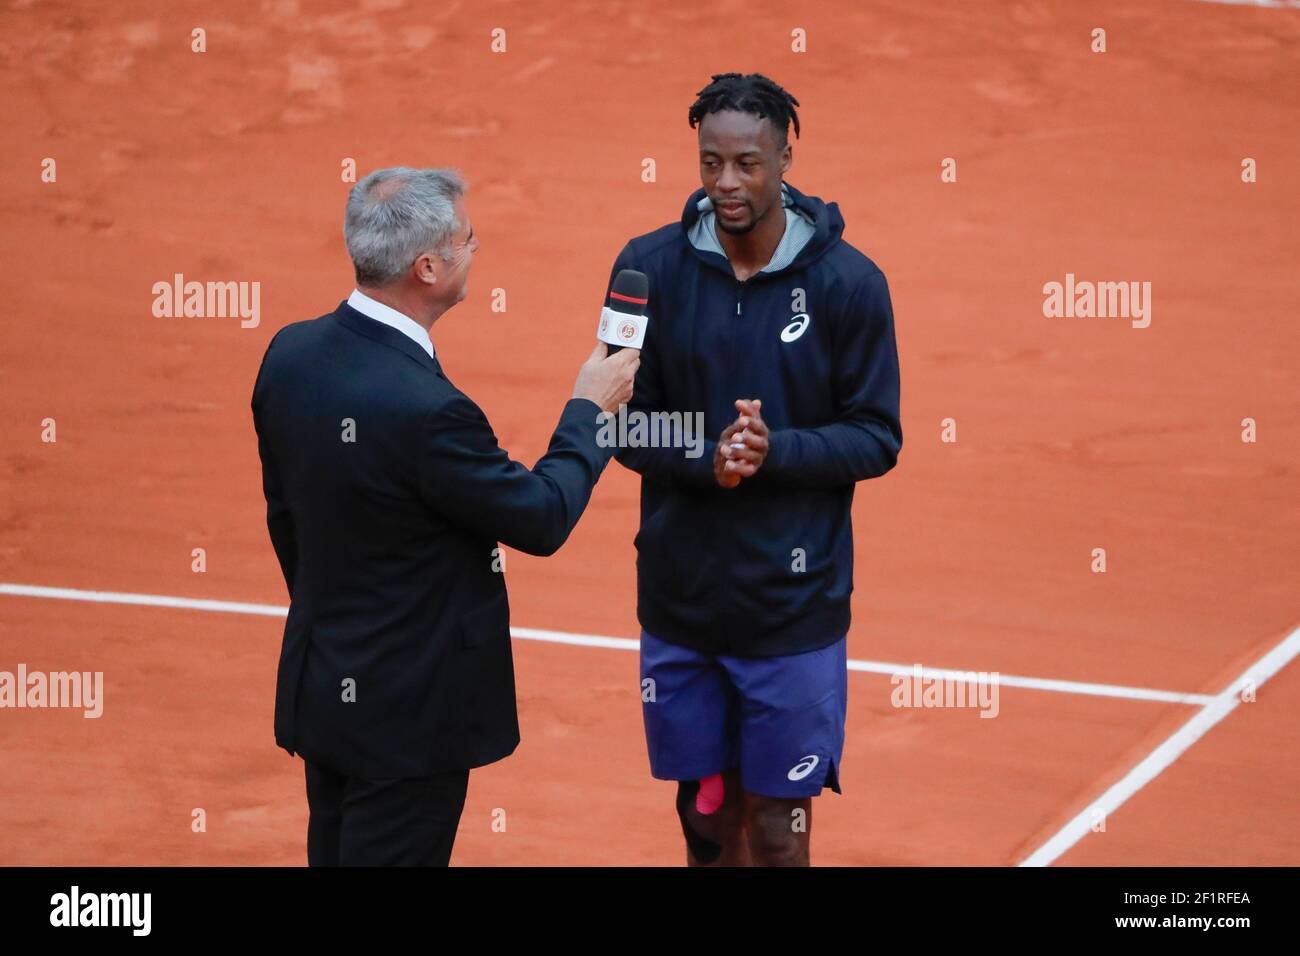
[(387, 495)]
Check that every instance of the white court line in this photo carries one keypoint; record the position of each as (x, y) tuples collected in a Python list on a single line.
[(615, 643), (149, 600), (1224, 703), (1274, 4), (1039, 683)]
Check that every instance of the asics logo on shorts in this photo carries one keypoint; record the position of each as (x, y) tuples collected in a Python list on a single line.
[(796, 328), (805, 766)]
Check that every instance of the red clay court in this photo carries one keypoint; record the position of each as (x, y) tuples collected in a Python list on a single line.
[(1121, 691)]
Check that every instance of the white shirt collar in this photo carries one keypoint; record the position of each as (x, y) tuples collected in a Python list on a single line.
[(390, 316)]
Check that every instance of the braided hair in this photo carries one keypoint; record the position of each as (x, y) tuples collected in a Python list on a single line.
[(754, 94)]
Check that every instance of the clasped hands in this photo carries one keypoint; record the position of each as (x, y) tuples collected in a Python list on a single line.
[(743, 445)]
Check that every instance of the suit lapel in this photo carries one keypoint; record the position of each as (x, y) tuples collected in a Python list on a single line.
[(386, 335)]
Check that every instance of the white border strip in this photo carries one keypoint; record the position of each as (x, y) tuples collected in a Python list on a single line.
[(1224, 703), (615, 643)]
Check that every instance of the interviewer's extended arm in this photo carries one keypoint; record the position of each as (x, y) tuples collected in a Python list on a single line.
[(471, 480)]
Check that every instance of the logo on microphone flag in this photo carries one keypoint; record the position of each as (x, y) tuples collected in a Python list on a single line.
[(622, 328)]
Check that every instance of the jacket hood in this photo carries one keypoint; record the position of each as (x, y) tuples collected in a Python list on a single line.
[(813, 227)]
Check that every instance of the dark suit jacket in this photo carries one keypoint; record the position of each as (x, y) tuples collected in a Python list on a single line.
[(387, 545)]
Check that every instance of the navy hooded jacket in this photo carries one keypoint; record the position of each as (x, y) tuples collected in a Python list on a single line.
[(765, 568)]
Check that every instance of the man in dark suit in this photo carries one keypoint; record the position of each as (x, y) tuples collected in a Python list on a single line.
[(387, 495)]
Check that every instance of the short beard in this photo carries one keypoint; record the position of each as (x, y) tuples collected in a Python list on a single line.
[(736, 230)]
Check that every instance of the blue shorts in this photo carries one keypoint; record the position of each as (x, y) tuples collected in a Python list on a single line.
[(779, 719)]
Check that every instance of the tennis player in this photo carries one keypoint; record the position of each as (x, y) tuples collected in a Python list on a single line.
[(782, 333)]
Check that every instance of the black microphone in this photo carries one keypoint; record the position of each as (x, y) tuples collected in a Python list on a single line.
[(623, 320)]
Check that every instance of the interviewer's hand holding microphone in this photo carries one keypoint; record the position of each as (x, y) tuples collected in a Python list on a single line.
[(607, 379)]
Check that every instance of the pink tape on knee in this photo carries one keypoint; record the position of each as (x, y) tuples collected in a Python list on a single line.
[(710, 795)]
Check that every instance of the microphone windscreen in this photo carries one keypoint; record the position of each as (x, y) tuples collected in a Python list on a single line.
[(630, 292)]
